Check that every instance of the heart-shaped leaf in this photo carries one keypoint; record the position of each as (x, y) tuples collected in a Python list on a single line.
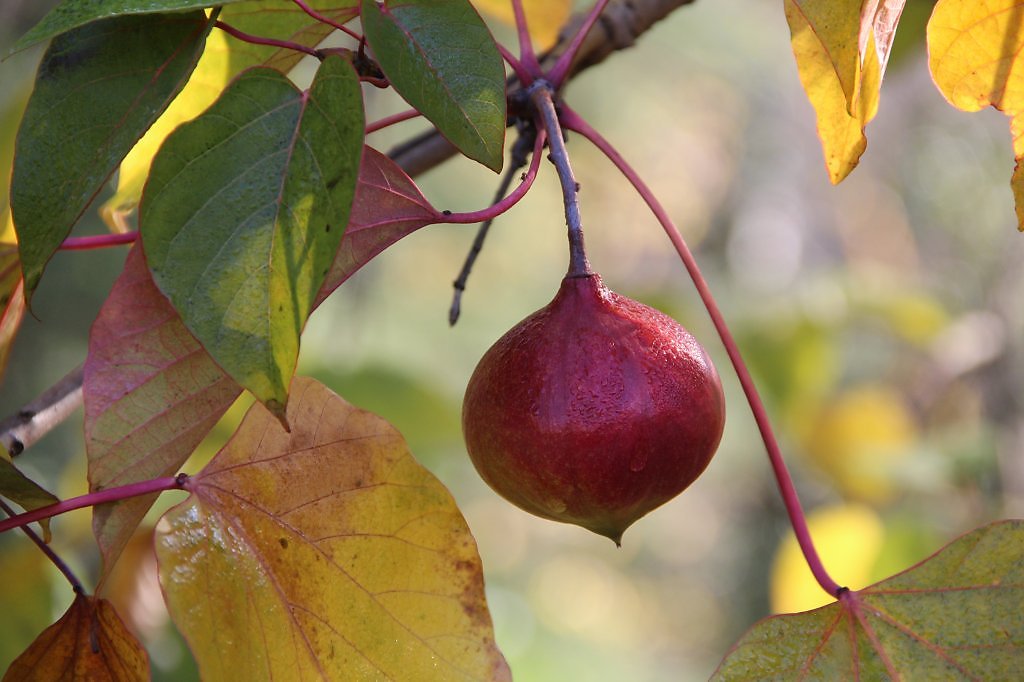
[(958, 615), (243, 212), (89, 642), (223, 58), (67, 146), (439, 56), (976, 53), (151, 394), (325, 553)]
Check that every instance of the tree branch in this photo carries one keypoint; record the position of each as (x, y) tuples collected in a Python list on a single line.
[(618, 28)]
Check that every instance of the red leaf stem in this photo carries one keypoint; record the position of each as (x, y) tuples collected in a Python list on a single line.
[(509, 201), (560, 70), (99, 241), (114, 494), (272, 42), (391, 120), (327, 20), (76, 584), (526, 54)]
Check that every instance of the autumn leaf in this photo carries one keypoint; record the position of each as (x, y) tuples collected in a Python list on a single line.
[(332, 543), (976, 53), (22, 490), (223, 58), (387, 206), (89, 642), (243, 212), (151, 394), (841, 49), (957, 615), (12, 300), (544, 18)]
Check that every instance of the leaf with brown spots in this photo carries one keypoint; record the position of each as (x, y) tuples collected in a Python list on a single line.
[(325, 553), (89, 642)]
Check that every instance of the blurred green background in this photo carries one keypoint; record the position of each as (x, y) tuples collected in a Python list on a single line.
[(880, 318)]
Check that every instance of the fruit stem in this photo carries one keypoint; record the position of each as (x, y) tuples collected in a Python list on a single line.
[(65, 570), (790, 499), (121, 492), (540, 95)]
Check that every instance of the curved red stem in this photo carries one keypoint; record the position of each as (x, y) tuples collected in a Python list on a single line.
[(526, 54), (573, 121), (114, 494), (509, 201), (392, 120), (326, 20)]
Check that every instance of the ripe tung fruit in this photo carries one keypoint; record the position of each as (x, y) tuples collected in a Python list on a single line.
[(593, 410)]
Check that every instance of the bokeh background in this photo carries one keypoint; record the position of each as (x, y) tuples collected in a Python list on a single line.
[(880, 318)]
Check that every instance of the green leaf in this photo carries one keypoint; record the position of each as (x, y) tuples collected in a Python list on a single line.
[(23, 491), (72, 14), (97, 91), (243, 212), (440, 57), (958, 615), (325, 553)]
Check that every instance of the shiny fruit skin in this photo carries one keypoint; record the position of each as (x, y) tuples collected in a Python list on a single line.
[(593, 410)]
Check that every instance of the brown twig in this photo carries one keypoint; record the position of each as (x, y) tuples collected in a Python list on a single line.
[(622, 22), (39, 417)]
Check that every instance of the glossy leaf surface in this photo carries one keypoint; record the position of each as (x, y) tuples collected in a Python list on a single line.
[(440, 57), (89, 642), (976, 56), (72, 14), (958, 615), (151, 394), (332, 543), (243, 212), (97, 91)]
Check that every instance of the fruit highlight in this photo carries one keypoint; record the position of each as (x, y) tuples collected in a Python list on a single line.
[(594, 410)]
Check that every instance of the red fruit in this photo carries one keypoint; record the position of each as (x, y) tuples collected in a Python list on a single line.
[(594, 410)]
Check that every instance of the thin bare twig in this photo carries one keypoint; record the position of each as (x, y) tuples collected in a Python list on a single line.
[(39, 417)]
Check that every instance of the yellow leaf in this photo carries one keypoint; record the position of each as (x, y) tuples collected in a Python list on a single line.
[(976, 56), (207, 81), (543, 17), (89, 642), (7, 234), (838, 62), (848, 538), (326, 553)]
